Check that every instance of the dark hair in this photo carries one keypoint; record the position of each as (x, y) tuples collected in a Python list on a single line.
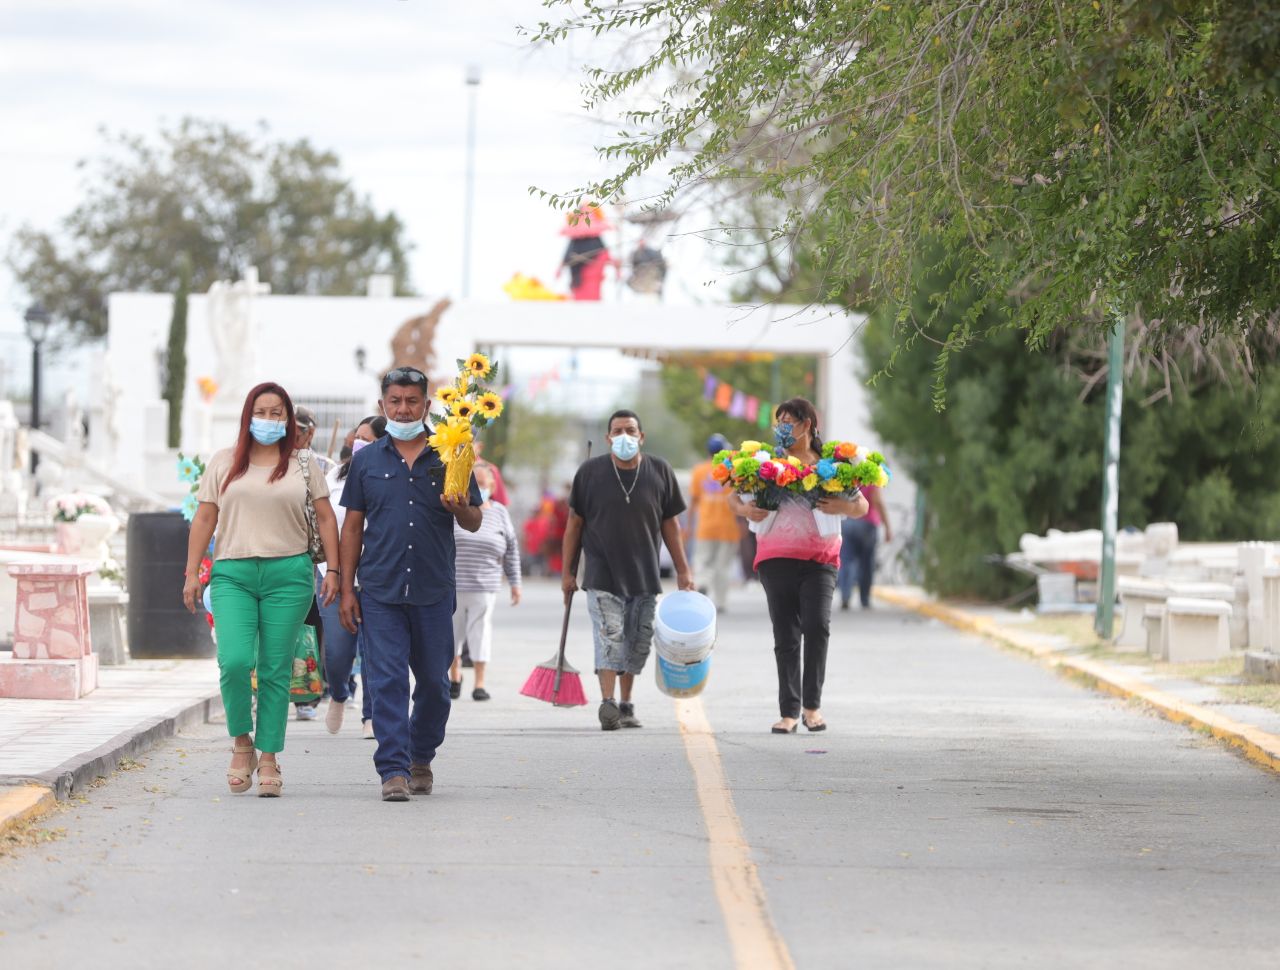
[(803, 409), (623, 413), (378, 425), (240, 459), (404, 377)]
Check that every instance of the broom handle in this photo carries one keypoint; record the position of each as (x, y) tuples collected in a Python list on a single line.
[(564, 628)]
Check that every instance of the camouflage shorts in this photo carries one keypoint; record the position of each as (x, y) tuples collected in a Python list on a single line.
[(623, 630)]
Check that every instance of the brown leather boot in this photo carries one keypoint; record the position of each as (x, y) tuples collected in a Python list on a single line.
[(420, 779), (395, 789)]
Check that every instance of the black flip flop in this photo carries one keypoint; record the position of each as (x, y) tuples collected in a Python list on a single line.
[(479, 694), (820, 726), (455, 689), (778, 730)]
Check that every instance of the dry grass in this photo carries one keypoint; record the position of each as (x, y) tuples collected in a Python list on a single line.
[(1078, 629)]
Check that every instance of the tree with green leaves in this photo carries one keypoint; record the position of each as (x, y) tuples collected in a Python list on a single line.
[(1114, 153), (226, 199), (1016, 450), (175, 358)]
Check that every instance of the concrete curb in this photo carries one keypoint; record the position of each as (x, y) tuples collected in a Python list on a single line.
[(72, 775), (1261, 747), (23, 803)]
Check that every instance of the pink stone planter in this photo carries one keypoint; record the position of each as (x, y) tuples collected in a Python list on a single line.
[(52, 653)]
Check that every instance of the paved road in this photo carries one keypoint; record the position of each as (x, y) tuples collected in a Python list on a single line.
[(966, 809)]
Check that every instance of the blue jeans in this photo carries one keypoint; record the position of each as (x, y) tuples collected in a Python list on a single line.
[(857, 559), (340, 648), (397, 639)]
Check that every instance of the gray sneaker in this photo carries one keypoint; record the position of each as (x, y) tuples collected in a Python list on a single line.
[(610, 716), (628, 719)]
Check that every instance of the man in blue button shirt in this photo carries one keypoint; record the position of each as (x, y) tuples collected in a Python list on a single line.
[(398, 533)]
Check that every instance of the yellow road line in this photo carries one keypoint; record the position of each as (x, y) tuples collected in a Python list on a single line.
[(755, 940), (23, 803)]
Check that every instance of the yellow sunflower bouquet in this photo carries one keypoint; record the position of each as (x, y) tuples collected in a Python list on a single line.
[(469, 404)]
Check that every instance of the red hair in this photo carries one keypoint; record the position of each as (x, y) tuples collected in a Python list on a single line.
[(240, 460)]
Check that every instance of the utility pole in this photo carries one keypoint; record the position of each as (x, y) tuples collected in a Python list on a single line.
[(1105, 615), (469, 191)]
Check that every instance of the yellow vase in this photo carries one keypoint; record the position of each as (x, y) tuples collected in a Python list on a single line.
[(457, 472)]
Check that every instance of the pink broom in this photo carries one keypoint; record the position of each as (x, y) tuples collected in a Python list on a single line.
[(557, 681)]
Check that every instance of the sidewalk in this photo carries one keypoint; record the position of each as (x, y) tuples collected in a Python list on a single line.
[(53, 748), (1253, 730)]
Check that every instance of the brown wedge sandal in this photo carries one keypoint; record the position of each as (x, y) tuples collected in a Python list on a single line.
[(269, 787), (240, 780)]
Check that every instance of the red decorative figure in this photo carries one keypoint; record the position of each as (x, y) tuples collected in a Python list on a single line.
[(586, 256)]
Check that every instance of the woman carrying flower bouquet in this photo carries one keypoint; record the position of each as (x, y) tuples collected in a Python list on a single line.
[(797, 565), (255, 495)]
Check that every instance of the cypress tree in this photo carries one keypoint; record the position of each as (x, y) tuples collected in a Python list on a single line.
[(176, 358)]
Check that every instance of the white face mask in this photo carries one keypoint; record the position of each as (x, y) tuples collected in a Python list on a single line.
[(625, 446), (358, 444)]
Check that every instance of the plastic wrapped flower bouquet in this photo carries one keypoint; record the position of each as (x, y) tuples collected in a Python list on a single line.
[(469, 404)]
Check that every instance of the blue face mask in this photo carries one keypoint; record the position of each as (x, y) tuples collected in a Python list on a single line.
[(625, 447), (484, 495), (267, 432), (405, 430), (783, 434)]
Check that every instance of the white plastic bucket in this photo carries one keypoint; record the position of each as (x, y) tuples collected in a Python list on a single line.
[(681, 680), (684, 627)]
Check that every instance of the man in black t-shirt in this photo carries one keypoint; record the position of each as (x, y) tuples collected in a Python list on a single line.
[(621, 506)]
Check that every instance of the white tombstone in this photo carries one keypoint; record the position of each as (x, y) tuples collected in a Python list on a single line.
[(1153, 627), (1196, 629), (1136, 595), (1255, 557)]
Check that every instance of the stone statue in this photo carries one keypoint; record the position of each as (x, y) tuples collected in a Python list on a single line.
[(230, 318)]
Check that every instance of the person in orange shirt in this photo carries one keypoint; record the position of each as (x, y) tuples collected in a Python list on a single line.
[(714, 528)]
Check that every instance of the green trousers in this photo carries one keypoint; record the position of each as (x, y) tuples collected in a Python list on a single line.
[(258, 609)]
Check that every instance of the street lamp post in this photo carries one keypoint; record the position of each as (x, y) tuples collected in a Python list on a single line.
[(36, 321), (469, 191)]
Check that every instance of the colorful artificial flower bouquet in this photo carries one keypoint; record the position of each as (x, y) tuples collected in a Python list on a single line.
[(765, 477), (469, 404)]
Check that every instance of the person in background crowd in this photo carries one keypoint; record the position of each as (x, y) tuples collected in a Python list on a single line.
[(499, 486), (405, 559), (263, 581), (499, 491), (307, 435), (797, 566), (535, 538), (306, 420), (858, 550), (341, 646), (623, 505), (714, 528), (482, 559)]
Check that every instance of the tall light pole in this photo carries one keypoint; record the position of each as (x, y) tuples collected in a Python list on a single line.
[(36, 322), (1104, 617), (469, 191)]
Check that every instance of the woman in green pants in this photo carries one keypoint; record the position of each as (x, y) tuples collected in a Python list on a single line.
[(255, 496)]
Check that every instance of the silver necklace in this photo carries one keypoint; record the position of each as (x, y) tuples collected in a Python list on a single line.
[(626, 492)]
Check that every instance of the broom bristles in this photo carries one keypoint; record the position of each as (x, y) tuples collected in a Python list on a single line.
[(541, 685)]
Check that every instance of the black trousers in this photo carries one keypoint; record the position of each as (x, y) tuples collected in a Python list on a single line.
[(799, 595)]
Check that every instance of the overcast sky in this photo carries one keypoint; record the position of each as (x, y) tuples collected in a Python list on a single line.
[(379, 81)]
